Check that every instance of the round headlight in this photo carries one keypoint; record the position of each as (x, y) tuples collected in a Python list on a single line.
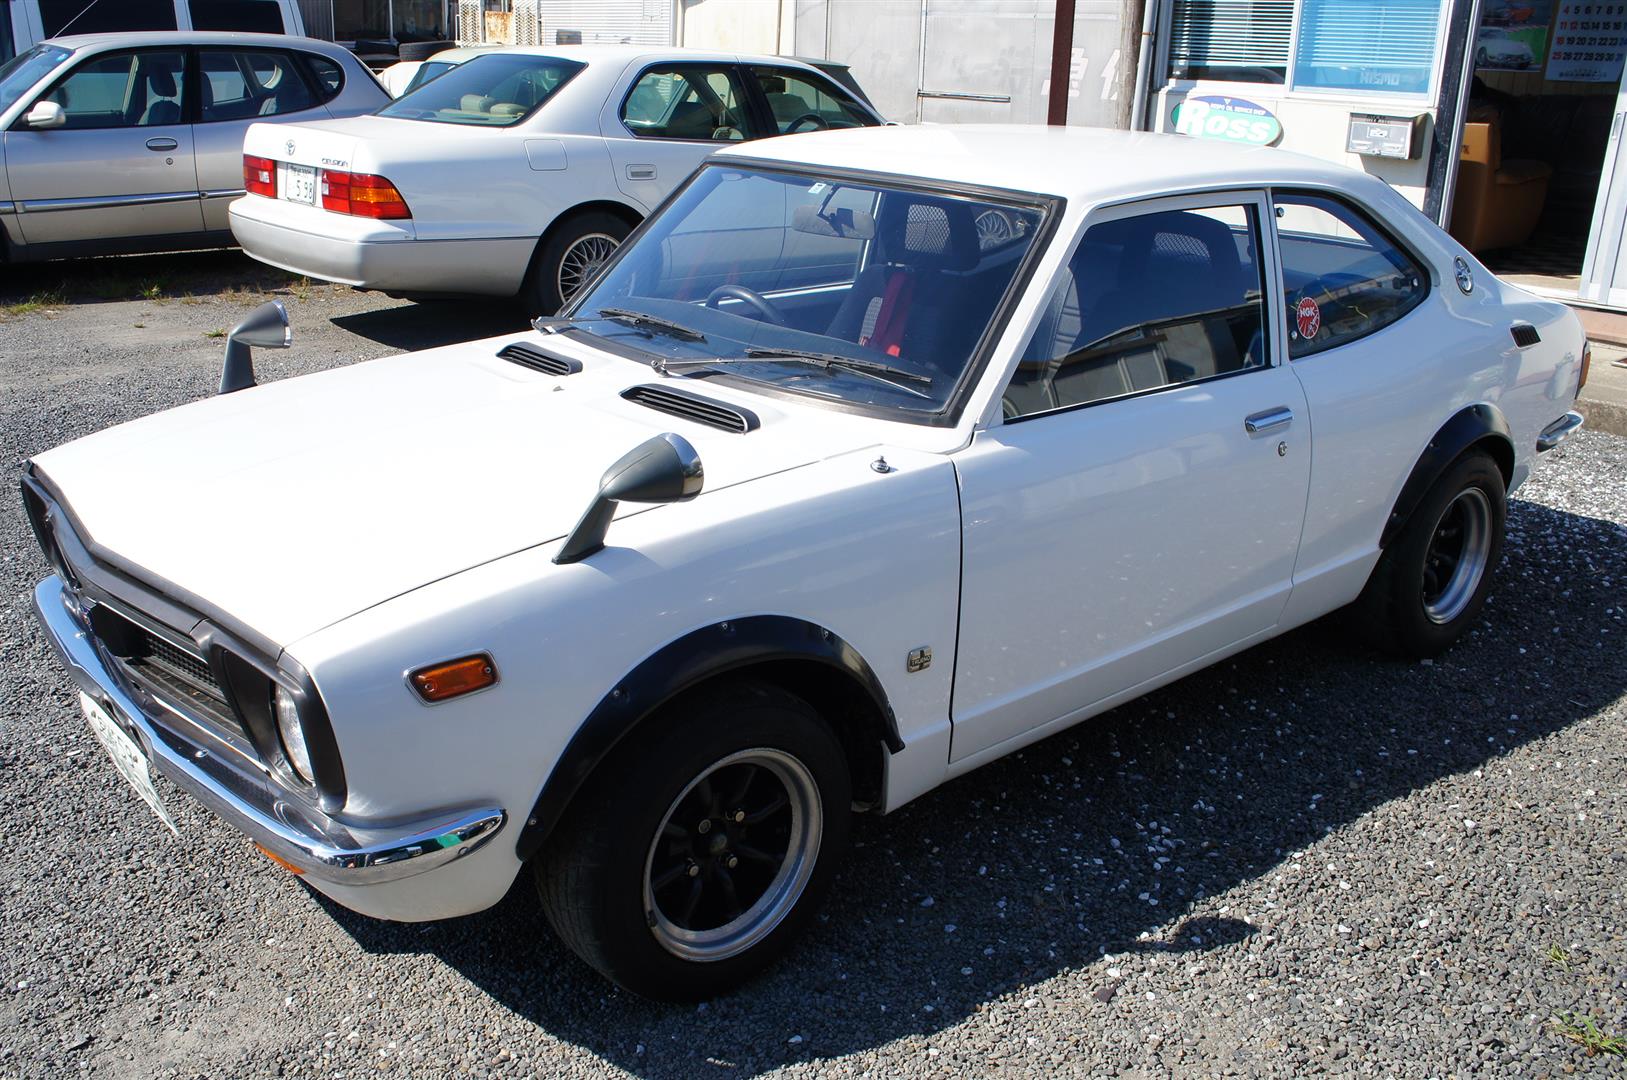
[(292, 733)]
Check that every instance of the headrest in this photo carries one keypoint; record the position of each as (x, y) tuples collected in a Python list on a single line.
[(507, 108), (161, 81), (476, 103), (835, 221), (928, 233)]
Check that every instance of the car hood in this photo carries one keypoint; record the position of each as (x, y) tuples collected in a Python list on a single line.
[(294, 504)]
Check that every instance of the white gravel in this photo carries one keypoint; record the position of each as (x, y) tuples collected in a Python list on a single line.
[(1306, 860)]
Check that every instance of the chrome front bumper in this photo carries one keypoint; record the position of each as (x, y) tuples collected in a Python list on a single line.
[(302, 836)]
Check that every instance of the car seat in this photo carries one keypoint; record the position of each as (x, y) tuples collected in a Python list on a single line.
[(160, 88)]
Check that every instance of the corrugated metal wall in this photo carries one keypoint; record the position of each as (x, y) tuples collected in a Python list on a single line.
[(318, 16), (640, 22)]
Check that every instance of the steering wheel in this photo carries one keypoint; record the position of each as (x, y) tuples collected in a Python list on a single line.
[(815, 118), (760, 303)]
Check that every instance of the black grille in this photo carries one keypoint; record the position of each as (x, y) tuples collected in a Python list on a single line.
[(169, 672), (702, 410), (1525, 335), (534, 358)]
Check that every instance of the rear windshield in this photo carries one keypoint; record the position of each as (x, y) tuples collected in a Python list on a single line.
[(21, 72), (488, 91), (428, 71)]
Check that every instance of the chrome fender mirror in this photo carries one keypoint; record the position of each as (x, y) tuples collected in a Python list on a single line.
[(660, 470), (45, 114), (266, 327)]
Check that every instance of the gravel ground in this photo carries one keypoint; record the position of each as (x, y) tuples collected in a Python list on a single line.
[(1306, 860)]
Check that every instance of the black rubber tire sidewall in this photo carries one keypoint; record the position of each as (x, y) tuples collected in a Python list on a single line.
[(591, 874), (423, 50), (1392, 607), (541, 291)]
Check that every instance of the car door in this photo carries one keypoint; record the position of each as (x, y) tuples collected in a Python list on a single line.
[(121, 165), (1140, 505), (671, 118), (238, 87)]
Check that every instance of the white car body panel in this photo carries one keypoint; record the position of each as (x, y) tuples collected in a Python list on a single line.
[(1192, 539)]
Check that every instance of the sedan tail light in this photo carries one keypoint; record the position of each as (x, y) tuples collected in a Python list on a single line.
[(260, 176), (362, 195)]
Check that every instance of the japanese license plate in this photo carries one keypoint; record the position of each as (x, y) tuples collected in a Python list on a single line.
[(127, 757), (298, 183)]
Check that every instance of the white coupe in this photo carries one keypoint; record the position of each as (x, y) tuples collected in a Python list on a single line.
[(515, 173), (816, 498)]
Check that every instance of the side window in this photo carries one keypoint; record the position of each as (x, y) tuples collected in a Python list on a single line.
[(330, 77), (131, 89), (688, 102), (800, 102), (1148, 301), (252, 16), (1344, 277), (244, 85), (77, 17)]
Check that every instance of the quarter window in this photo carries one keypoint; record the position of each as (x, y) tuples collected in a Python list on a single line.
[(1344, 278), (139, 89), (242, 85), (1147, 302), (688, 102), (800, 103), (329, 76)]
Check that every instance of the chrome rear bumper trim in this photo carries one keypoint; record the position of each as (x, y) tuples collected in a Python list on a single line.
[(303, 836)]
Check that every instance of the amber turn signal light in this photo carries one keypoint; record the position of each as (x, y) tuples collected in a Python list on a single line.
[(1587, 362), (279, 860), (438, 682)]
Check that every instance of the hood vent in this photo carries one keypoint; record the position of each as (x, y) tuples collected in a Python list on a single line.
[(1525, 335), (527, 355), (689, 406)]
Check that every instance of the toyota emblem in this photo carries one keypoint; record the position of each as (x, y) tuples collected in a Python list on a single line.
[(289, 146)]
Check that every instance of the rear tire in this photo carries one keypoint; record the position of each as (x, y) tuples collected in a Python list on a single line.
[(423, 50), (699, 849), (1432, 581), (569, 258)]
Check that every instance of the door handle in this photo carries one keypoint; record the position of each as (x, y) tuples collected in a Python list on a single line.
[(1263, 422), (162, 145), (641, 172)]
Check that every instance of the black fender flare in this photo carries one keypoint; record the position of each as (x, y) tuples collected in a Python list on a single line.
[(1468, 426), (690, 660)]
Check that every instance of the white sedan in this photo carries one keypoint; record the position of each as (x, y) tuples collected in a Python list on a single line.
[(817, 497), (517, 172)]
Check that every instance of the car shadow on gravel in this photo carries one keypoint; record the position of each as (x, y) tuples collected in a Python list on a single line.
[(169, 276), (1105, 839), (433, 323)]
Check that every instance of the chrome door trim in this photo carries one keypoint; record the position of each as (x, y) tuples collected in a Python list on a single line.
[(103, 202), (8, 208), (1270, 420), (222, 193)]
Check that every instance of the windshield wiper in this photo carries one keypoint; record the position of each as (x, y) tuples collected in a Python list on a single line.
[(882, 373), (643, 320)]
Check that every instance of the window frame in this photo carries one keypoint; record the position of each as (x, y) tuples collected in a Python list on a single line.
[(296, 61), (750, 101), (189, 92), (1396, 237), (1289, 87), (813, 76), (1276, 327)]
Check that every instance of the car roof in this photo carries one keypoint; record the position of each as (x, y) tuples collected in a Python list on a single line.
[(140, 39), (606, 54), (1076, 163)]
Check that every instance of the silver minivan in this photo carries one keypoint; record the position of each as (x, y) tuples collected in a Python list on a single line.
[(25, 23), (114, 143)]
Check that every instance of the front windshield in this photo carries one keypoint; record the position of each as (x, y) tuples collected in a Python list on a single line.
[(489, 91), (21, 72), (867, 293)]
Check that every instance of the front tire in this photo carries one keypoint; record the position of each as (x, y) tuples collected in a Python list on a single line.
[(1432, 580), (698, 850), (568, 259)]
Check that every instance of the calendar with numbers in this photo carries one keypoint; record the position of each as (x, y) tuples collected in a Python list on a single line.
[(1589, 41)]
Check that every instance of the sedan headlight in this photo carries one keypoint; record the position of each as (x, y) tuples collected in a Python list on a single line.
[(292, 733)]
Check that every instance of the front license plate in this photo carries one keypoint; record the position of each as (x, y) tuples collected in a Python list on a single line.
[(298, 184), (127, 757)]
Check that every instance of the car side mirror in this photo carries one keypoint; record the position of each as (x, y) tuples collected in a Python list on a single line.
[(266, 327), (660, 470), (45, 114)]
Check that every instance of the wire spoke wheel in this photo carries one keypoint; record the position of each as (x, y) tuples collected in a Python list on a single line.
[(732, 855), (1457, 555), (582, 260)]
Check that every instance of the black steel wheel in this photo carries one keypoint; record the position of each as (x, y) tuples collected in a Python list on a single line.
[(702, 844)]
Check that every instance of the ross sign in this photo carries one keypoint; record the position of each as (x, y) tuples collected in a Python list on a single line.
[(1383, 136), (1590, 40), (1228, 119)]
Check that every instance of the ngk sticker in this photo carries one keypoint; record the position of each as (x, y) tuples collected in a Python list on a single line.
[(1309, 318)]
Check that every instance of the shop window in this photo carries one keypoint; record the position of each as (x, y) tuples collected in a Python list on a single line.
[(1231, 40), (356, 20), (1147, 302), (1342, 276), (419, 20), (1367, 46)]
